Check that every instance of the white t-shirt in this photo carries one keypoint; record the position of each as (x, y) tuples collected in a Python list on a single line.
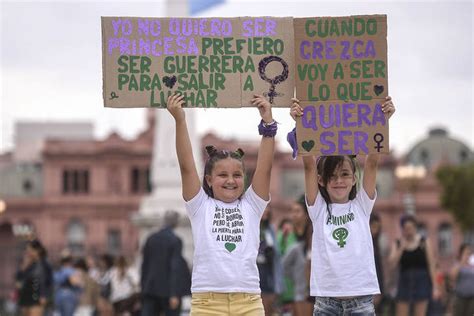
[(342, 261), (122, 288), (226, 241)]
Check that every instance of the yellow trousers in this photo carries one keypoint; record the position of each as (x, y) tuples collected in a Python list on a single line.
[(226, 304)]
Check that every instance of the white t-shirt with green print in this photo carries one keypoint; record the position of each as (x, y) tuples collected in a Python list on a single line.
[(226, 241), (342, 255)]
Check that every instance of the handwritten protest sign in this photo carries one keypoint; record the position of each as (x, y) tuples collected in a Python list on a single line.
[(341, 81), (214, 62)]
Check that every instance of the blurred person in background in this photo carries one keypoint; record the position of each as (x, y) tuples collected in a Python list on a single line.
[(296, 261), (124, 294), (67, 286), (413, 255), (375, 230), (165, 276), (105, 266), (32, 280), (286, 238), (269, 264), (90, 290), (462, 276)]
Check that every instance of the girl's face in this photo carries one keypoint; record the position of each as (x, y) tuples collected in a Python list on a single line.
[(466, 253), (409, 230), (31, 253), (227, 180), (298, 214), (287, 228), (340, 183)]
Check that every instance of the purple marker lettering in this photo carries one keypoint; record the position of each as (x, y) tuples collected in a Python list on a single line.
[(370, 49), (309, 118), (155, 49), (167, 49), (247, 27), (124, 46), (345, 50), (215, 27), (173, 27), (325, 140), (181, 45), (226, 28), (113, 43), (143, 27), (270, 27), (363, 111), (330, 50), (116, 26), (302, 49), (144, 47), (187, 27), (258, 27), (127, 27), (192, 47), (202, 27), (337, 116), (330, 117), (155, 27), (318, 50), (378, 117), (360, 143), (347, 115), (342, 142), (354, 49)]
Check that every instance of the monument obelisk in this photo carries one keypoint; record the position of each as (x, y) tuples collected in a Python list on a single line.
[(165, 173)]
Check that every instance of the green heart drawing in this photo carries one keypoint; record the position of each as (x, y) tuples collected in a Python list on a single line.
[(378, 89), (307, 145), (230, 246)]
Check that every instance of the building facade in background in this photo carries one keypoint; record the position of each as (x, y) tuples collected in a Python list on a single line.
[(81, 194)]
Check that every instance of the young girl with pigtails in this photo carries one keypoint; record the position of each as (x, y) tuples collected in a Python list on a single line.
[(343, 276), (225, 218)]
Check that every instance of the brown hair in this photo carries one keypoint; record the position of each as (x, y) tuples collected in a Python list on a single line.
[(214, 156), (326, 166)]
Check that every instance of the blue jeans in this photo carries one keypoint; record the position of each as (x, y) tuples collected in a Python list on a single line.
[(329, 306), (66, 301)]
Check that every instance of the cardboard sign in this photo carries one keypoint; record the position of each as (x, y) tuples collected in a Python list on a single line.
[(214, 62), (341, 81)]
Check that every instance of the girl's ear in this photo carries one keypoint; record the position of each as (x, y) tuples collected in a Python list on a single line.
[(208, 180), (354, 179), (320, 180)]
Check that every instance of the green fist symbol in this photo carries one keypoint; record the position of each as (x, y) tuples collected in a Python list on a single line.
[(340, 235)]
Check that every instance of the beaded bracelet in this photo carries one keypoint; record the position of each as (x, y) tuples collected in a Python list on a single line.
[(267, 129)]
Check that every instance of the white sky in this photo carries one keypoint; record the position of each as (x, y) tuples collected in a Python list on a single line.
[(51, 66)]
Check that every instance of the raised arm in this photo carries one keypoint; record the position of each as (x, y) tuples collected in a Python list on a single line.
[(189, 176), (309, 162), (262, 175), (396, 252), (430, 255), (310, 179), (371, 161)]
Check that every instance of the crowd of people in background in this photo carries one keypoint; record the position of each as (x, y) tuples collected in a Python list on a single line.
[(107, 285), (76, 286)]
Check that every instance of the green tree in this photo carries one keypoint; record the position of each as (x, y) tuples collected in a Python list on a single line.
[(458, 193)]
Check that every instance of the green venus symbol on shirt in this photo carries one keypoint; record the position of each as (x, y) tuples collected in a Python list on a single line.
[(340, 235), (230, 246)]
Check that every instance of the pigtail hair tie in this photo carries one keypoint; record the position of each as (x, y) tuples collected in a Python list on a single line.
[(211, 150), (239, 152)]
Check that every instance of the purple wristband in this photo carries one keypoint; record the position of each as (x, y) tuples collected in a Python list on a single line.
[(267, 130)]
